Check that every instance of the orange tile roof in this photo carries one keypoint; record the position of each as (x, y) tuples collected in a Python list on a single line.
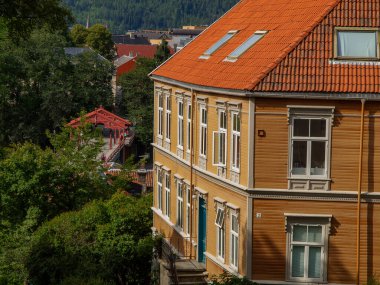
[(296, 55)]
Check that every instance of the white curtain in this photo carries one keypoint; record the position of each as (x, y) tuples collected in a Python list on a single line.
[(357, 44)]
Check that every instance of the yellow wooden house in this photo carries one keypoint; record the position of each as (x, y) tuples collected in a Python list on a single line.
[(267, 143)]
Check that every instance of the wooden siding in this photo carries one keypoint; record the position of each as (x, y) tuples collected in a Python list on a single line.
[(269, 239), (271, 151), (213, 191)]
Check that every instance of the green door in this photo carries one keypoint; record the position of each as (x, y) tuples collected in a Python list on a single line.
[(202, 231)]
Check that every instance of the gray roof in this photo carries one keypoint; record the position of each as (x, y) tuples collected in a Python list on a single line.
[(127, 39), (75, 51), (121, 60)]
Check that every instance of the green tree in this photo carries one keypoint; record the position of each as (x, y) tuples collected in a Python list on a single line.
[(51, 180), (22, 16), (137, 101), (78, 35), (100, 39), (162, 53), (107, 242), (40, 86)]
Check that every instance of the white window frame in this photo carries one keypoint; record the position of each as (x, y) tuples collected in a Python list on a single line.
[(220, 232), (159, 189), (234, 241), (235, 148), (160, 123), (168, 117), (180, 125), (180, 208), (189, 111), (309, 141), (221, 153), (203, 131), (167, 195), (307, 220)]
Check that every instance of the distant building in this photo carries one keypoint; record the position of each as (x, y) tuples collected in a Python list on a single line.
[(181, 37), (124, 64), (131, 39), (136, 50)]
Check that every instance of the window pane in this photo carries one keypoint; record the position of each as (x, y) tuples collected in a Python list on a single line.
[(246, 45), (357, 44), (222, 148), (298, 262), (318, 158), (314, 234), (315, 262), (301, 128), (235, 225), (219, 43), (299, 157), (318, 128), (300, 233)]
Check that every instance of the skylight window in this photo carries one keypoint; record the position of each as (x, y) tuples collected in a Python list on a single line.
[(246, 45), (218, 44)]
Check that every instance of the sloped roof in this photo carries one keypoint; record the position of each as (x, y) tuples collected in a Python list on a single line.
[(288, 22), (127, 39), (311, 67), (122, 60), (136, 50)]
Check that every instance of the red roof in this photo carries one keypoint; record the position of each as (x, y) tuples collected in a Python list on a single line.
[(295, 54), (136, 50), (101, 116)]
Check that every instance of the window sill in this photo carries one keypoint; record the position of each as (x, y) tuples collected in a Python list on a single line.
[(351, 61), (309, 184)]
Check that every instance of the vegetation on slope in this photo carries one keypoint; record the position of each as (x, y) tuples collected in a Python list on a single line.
[(123, 15)]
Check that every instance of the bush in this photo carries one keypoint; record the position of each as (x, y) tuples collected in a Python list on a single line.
[(229, 279)]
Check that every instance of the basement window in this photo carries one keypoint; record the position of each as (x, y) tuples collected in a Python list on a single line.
[(218, 45), (356, 44), (258, 35)]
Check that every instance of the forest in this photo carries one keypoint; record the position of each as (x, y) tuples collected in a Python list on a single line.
[(123, 15)]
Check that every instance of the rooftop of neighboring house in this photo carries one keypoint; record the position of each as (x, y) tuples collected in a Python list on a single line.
[(186, 32), (136, 50), (75, 51), (285, 46), (131, 39), (122, 60)]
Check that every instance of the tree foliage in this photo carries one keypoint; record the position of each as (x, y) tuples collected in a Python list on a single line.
[(107, 242), (78, 35), (162, 53), (40, 86), (51, 180), (137, 101), (100, 39), (124, 15), (22, 16)]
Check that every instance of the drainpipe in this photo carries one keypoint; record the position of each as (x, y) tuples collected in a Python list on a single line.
[(191, 171), (359, 194)]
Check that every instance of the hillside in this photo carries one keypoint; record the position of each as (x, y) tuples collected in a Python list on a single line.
[(123, 15)]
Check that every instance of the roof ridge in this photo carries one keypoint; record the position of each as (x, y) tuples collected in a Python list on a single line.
[(292, 47)]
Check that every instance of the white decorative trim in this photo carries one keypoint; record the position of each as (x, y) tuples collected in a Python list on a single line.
[(162, 216)]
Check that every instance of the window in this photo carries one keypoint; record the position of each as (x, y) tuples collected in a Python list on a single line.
[(360, 44), (188, 127), (188, 201), (246, 45), (235, 141), (159, 189), (220, 140), (220, 238), (167, 194), (234, 242), (168, 117), (180, 125), (218, 44), (179, 204), (309, 147), (203, 131), (160, 114)]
